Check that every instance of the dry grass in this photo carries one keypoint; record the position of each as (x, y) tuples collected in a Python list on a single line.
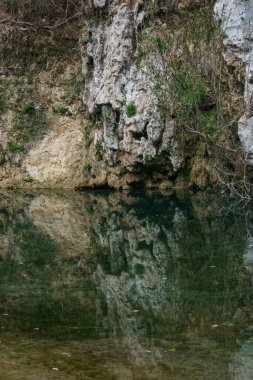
[(33, 10)]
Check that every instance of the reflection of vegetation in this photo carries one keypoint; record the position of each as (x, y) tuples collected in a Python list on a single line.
[(37, 292), (175, 262), (193, 255)]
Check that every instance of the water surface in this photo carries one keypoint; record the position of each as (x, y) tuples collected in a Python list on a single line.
[(105, 285)]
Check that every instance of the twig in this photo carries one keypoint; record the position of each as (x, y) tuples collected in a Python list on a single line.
[(48, 27), (26, 26), (4, 20)]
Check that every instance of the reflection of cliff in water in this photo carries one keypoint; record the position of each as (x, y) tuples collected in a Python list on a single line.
[(241, 367), (146, 269), (173, 261)]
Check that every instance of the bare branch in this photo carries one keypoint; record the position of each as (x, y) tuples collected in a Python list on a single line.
[(28, 26), (52, 27)]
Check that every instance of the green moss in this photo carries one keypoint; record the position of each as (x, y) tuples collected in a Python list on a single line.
[(131, 109)]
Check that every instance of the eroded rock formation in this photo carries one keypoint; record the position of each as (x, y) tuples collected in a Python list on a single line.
[(97, 119), (236, 21)]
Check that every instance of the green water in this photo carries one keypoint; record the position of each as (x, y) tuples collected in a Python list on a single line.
[(105, 285)]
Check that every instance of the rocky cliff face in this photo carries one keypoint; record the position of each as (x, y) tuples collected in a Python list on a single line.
[(107, 126), (122, 94), (236, 22)]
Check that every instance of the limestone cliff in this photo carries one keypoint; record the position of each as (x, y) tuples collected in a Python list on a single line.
[(114, 101), (236, 22)]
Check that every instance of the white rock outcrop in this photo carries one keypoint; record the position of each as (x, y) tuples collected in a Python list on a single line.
[(120, 92), (236, 21), (99, 3), (57, 160)]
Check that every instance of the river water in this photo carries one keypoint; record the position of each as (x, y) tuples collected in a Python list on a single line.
[(120, 286)]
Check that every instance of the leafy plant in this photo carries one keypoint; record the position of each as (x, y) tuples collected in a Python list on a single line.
[(90, 38), (14, 148), (110, 121), (161, 43), (2, 105), (208, 121), (146, 159), (87, 167), (87, 137), (61, 110), (131, 109), (28, 108), (139, 270), (141, 52), (189, 92), (90, 23), (190, 86)]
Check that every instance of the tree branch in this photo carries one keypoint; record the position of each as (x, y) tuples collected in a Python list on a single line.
[(28, 26)]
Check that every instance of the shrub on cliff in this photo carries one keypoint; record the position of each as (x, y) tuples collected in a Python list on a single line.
[(187, 68)]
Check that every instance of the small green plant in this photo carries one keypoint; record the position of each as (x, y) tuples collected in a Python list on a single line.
[(115, 127), (163, 43), (110, 121), (2, 105), (147, 160), (61, 110), (189, 92), (14, 148), (141, 52), (90, 39), (90, 23), (208, 121), (86, 167), (87, 137), (131, 109), (195, 93), (139, 270), (106, 118), (28, 108)]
